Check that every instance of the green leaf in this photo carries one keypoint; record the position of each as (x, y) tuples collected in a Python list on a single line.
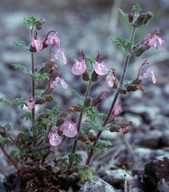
[(39, 92), (91, 113), (86, 174), (136, 9), (79, 97), (54, 111), (22, 68), (122, 44), (21, 44), (47, 122), (40, 77), (6, 101), (8, 127), (19, 102), (15, 154), (75, 158), (124, 15), (26, 115), (102, 146), (30, 21)]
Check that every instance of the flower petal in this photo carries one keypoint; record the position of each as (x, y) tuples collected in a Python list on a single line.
[(100, 68), (79, 67), (63, 83), (54, 138)]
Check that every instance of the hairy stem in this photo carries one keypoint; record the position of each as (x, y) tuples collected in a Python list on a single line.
[(9, 157), (33, 86), (80, 117), (113, 102)]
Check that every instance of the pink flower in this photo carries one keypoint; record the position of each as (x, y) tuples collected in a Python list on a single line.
[(104, 95), (148, 71), (69, 128), (37, 44), (124, 130), (109, 80), (54, 138), (53, 39), (56, 81), (56, 56), (30, 103), (79, 67), (117, 109), (155, 41), (100, 68)]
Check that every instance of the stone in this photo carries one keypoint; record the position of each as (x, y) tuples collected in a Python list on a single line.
[(156, 174), (96, 184)]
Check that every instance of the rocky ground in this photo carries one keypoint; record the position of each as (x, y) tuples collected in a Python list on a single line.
[(137, 161)]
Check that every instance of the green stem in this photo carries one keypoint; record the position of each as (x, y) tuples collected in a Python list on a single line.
[(113, 102), (81, 116)]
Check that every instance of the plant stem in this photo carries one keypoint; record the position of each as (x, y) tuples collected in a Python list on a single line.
[(33, 86), (113, 102), (81, 116), (8, 157)]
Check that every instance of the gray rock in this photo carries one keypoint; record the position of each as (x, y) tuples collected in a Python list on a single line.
[(163, 186), (117, 177), (136, 190), (166, 89), (156, 174), (151, 139), (96, 184), (144, 155)]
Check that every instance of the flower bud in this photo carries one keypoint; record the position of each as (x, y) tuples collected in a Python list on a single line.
[(123, 90), (47, 67), (3, 132), (95, 76), (48, 91), (138, 20), (87, 102), (85, 76), (73, 109), (59, 122), (133, 87), (40, 101), (42, 116), (84, 138), (48, 98), (39, 23)]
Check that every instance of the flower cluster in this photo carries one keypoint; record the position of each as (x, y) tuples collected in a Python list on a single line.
[(68, 129)]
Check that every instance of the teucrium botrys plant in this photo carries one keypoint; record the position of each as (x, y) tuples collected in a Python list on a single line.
[(81, 124)]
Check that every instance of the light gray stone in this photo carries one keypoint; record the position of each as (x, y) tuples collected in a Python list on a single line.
[(96, 184)]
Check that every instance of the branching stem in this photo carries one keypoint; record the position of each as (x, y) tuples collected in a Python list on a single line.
[(91, 153)]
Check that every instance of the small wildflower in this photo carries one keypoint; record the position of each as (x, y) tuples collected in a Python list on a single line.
[(117, 109), (56, 81), (109, 80), (148, 71), (79, 67), (54, 138), (30, 103), (53, 40), (104, 95), (100, 68), (155, 41), (56, 57), (124, 130), (69, 128), (37, 44)]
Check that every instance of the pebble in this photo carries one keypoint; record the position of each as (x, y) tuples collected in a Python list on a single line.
[(96, 184)]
